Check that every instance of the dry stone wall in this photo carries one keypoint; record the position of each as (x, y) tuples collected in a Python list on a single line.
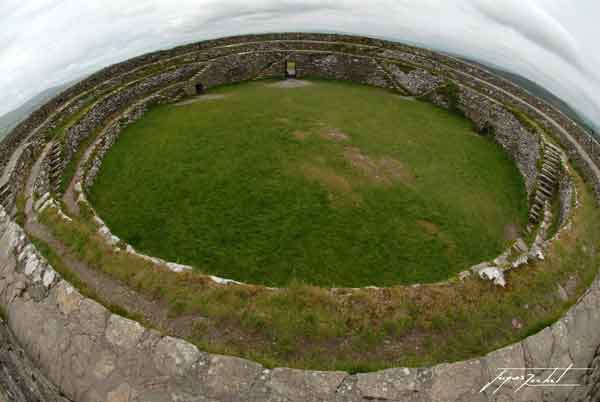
[(106, 108), (428, 59), (93, 355), (521, 144), (110, 134)]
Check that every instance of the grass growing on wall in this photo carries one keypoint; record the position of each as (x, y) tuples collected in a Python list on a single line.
[(255, 187), (312, 328), (68, 275)]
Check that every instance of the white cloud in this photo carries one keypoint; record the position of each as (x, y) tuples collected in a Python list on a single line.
[(553, 42)]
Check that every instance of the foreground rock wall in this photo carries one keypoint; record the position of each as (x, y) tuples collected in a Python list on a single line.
[(20, 379)]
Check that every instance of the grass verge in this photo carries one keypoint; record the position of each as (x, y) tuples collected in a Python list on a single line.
[(313, 328)]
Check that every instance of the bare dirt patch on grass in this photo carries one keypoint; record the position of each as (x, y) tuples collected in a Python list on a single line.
[(201, 98), (338, 186), (435, 231), (334, 135), (301, 135), (430, 227), (385, 171), (291, 83), (329, 134), (512, 231)]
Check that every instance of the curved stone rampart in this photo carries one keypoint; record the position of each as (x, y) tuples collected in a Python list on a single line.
[(93, 355)]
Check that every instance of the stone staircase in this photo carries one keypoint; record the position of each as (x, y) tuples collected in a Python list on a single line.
[(56, 165), (388, 74), (196, 78), (267, 71), (547, 182), (5, 192)]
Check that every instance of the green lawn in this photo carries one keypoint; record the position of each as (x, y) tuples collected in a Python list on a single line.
[(331, 184)]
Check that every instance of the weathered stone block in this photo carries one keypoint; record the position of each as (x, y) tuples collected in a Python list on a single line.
[(228, 377), (123, 333), (458, 382), (176, 357), (92, 317), (67, 298), (388, 384), (123, 393), (538, 348), (583, 322), (303, 386)]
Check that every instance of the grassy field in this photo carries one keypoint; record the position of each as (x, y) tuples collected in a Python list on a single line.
[(330, 184)]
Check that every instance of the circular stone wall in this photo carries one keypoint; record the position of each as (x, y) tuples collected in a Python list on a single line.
[(372, 191), (94, 355)]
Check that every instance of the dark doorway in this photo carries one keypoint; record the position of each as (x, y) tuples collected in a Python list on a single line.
[(290, 69), (199, 89), (487, 130)]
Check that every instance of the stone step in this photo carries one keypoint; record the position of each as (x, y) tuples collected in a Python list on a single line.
[(543, 182), (552, 147), (546, 181), (552, 154), (5, 188), (5, 194), (550, 160), (546, 187), (549, 157), (545, 192), (540, 198), (548, 171), (547, 177), (536, 209)]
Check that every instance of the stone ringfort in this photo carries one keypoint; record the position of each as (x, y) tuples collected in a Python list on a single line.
[(75, 348)]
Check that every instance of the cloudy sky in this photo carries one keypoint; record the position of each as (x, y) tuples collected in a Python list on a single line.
[(44, 43)]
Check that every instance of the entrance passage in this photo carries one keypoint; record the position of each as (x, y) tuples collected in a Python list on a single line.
[(290, 69), (199, 89)]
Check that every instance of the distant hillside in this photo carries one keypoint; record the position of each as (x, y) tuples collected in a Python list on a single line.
[(11, 119), (548, 96), (540, 92)]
